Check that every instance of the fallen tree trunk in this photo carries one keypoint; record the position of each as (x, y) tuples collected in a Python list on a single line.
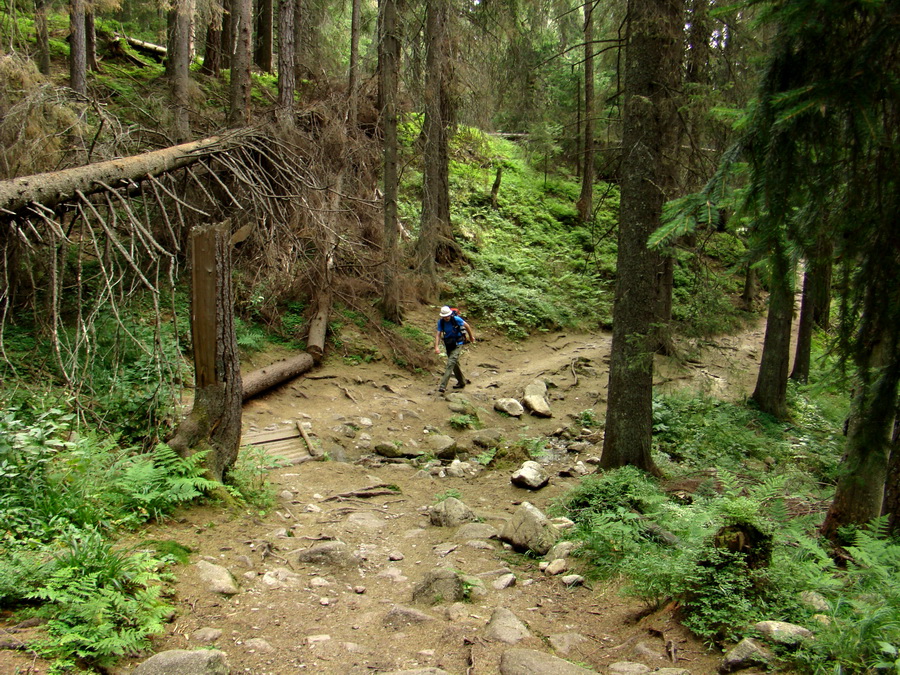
[(265, 378), (157, 52), (56, 187)]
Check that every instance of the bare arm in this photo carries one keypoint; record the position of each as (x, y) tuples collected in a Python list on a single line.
[(469, 332)]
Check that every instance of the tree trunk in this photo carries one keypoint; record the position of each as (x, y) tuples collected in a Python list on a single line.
[(891, 506), (751, 287), (77, 48), (860, 490), (56, 187), (180, 60), (42, 36), (435, 233), (653, 45), (323, 293), (239, 100), (287, 74), (227, 33), (771, 383), (214, 424), (90, 43), (803, 350), (586, 200), (353, 84), (820, 268), (495, 188), (389, 61), (265, 20), (212, 52)]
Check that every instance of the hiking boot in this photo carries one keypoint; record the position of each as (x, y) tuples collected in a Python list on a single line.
[(459, 385), (441, 390)]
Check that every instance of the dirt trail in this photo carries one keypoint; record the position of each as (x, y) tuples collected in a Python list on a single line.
[(292, 617)]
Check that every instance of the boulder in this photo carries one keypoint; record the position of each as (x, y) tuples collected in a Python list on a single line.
[(783, 633), (532, 662), (335, 553), (439, 586), (401, 617), (185, 662), (745, 654), (443, 446), (217, 578), (450, 513), (535, 399), (529, 530), (505, 626), (509, 406), (530, 475)]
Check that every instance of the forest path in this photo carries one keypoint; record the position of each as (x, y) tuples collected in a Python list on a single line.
[(323, 618), (347, 616)]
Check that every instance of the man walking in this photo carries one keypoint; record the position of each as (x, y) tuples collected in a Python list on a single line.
[(454, 331)]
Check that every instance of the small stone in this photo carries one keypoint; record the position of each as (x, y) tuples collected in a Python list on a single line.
[(627, 668), (556, 567), (359, 590), (396, 556), (259, 645), (572, 580), (206, 635), (505, 581)]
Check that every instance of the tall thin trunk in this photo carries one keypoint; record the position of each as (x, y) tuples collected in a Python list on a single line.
[(227, 33), (652, 46), (770, 393), (353, 84), (90, 43), (77, 48), (803, 350), (820, 268), (42, 35), (586, 200), (212, 51), (389, 60), (435, 232), (179, 56), (239, 103), (265, 25), (287, 74)]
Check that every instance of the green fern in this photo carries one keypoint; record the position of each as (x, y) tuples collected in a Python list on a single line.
[(101, 603)]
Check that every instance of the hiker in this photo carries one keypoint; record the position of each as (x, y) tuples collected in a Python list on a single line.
[(455, 332)]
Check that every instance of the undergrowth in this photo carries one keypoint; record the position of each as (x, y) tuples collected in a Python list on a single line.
[(64, 497), (731, 535)]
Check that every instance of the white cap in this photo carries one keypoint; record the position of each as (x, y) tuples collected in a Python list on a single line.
[(446, 311)]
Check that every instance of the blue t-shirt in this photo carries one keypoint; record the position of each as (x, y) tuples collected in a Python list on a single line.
[(452, 328)]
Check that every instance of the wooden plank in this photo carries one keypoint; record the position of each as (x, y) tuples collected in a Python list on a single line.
[(271, 436)]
